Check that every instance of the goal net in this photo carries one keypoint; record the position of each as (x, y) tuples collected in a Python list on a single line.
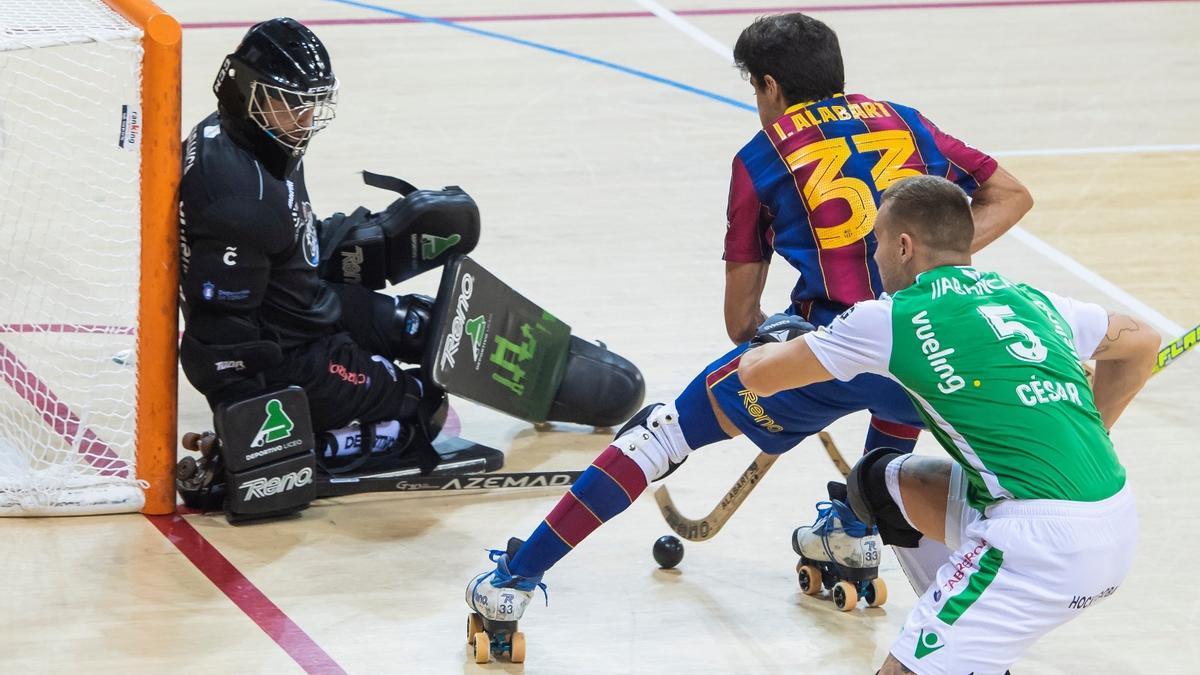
[(73, 210)]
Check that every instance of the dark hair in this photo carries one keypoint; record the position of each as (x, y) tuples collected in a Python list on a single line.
[(936, 210), (801, 53)]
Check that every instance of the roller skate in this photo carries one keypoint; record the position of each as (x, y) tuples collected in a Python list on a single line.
[(199, 481), (841, 554), (497, 600)]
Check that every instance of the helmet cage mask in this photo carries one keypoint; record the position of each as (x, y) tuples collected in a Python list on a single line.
[(289, 117)]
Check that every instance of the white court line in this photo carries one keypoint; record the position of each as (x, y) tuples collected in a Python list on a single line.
[(687, 28), (1099, 150), (1139, 308), (1162, 323)]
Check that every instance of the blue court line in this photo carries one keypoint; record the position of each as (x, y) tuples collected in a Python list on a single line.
[(553, 50)]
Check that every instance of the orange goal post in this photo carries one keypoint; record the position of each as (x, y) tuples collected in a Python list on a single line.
[(89, 171)]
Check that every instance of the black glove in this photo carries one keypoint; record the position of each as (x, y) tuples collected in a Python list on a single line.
[(780, 328)]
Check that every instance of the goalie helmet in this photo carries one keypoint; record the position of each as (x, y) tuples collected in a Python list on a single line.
[(275, 91)]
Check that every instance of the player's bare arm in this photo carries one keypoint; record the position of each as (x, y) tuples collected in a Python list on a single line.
[(744, 282), (771, 368), (997, 205), (1124, 360), (893, 667)]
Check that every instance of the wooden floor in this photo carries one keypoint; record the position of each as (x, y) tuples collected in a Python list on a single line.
[(603, 193)]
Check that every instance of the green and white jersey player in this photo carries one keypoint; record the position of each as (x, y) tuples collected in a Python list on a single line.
[(1034, 505)]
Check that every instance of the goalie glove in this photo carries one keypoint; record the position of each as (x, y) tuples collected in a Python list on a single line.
[(780, 328)]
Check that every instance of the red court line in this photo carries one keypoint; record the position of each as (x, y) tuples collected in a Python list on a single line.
[(290, 637), (58, 416), (725, 11), (256, 605)]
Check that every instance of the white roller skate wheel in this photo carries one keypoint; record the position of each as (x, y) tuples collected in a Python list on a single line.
[(844, 596), (810, 579), (474, 625), (517, 655), (483, 648), (878, 593)]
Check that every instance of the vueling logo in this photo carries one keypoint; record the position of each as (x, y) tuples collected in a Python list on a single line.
[(761, 418), (276, 427)]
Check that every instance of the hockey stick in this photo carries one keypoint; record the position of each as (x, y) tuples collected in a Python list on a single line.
[(831, 449), (705, 528), (341, 487), (1168, 354)]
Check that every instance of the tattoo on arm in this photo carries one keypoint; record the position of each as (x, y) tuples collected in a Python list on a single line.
[(1114, 333)]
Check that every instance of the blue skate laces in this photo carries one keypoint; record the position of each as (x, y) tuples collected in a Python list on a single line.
[(850, 524), (502, 578)]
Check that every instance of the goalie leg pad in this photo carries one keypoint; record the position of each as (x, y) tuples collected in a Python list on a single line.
[(872, 501), (599, 388), (277, 489), (267, 449), (494, 346)]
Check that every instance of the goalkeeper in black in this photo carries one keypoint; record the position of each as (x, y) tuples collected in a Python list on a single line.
[(259, 316)]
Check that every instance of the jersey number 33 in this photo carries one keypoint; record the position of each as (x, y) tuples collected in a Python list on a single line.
[(827, 182)]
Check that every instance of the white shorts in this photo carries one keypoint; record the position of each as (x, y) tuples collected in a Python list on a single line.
[(1015, 574)]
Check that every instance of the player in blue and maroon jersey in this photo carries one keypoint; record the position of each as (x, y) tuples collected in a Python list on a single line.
[(807, 187)]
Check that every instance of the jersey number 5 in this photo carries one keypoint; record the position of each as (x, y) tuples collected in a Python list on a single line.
[(1030, 348), (826, 183)]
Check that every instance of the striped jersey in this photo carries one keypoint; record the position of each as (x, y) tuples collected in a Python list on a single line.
[(808, 186)]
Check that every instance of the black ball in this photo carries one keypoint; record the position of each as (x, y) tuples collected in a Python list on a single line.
[(668, 551)]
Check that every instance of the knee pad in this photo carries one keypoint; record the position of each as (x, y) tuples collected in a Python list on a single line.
[(866, 488), (409, 327), (654, 441)]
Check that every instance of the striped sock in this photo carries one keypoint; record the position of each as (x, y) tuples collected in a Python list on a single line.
[(885, 434), (605, 489)]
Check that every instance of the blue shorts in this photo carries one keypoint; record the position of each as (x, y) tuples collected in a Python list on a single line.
[(778, 423)]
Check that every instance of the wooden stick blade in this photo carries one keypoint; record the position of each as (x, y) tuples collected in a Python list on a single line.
[(692, 530), (707, 527)]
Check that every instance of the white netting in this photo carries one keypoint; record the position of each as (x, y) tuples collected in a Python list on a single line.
[(70, 74), (26, 24)]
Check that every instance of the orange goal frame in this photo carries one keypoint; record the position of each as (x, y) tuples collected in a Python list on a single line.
[(158, 311)]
